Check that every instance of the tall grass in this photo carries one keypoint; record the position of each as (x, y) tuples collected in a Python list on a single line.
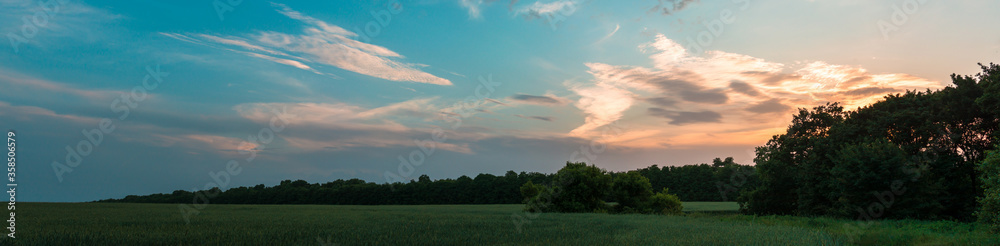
[(162, 224)]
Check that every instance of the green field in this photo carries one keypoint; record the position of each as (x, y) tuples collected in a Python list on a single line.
[(162, 224)]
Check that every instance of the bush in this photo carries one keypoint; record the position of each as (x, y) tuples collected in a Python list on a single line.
[(579, 188), (665, 203)]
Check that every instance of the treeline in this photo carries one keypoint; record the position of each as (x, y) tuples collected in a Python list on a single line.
[(723, 180), (704, 182), (911, 155)]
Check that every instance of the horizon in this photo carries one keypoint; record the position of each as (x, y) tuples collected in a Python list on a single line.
[(170, 94)]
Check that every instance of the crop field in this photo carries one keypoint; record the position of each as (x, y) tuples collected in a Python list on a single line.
[(703, 224)]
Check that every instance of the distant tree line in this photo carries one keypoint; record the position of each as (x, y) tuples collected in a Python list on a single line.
[(702, 182), (910, 155)]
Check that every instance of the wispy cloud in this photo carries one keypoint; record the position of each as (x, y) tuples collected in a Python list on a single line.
[(69, 19), (15, 81), (342, 126), (535, 117), (496, 101), (603, 104), (538, 10), (30, 113), (685, 117), (540, 100), (320, 43), (612, 33), (473, 6), (668, 7)]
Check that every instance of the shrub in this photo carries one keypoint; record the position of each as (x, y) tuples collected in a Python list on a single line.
[(579, 188), (665, 203)]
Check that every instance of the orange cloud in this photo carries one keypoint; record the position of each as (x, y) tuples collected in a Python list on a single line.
[(721, 98)]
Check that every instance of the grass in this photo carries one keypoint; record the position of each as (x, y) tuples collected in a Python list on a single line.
[(162, 224), (710, 206)]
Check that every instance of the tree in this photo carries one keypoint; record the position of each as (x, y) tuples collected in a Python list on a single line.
[(989, 173), (632, 191), (876, 179), (531, 190), (831, 161), (575, 188), (791, 164), (580, 188)]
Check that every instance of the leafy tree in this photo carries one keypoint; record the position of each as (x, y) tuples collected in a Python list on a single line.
[(531, 190), (989, 212), (580, 188), (790, 163), (632, 190), (925, 144)]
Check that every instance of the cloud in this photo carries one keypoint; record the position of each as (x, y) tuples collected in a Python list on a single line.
[(320, 43), (473, 7), (27, 113), (542, 118), (686, 117), (541, 100), (68, 19), (222, 144), (868, 91), (769, 106), (539, 10), (612, 33), (714, 96), (662, 101), (603, 104), (719, 77), (744, 88), (753, 94), (341, 126), (682, 84), (496, 101), (15, 81), (668, 7), (772, 78)]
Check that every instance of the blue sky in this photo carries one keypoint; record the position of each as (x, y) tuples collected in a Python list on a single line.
[(344, 89)]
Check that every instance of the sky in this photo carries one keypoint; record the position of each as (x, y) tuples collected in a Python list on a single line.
[(115, 98)]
